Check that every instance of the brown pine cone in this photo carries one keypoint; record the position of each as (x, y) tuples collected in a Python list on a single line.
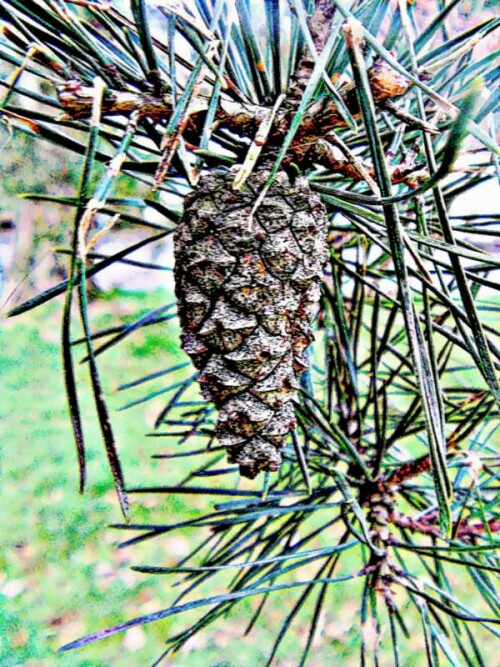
[(247, 292)]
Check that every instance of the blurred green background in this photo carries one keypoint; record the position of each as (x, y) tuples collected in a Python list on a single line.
[(61, 575)]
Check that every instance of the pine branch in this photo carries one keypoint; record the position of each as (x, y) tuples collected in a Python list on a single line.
[(429, 526), (244, 119)]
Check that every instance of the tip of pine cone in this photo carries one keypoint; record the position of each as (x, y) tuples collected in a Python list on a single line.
[(250, 471), (258, 457)]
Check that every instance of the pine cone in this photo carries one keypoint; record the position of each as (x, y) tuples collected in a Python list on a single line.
[(247, 292)]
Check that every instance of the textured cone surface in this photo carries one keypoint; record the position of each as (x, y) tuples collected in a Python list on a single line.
[(247, 292)]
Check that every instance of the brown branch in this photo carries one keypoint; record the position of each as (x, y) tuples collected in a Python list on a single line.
[(322, 116), (358, 171), (77, 101), (408, 470), (429, 526), (319, 24), (423, 464), (408, 118)]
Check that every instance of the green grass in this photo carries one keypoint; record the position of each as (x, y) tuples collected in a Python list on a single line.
[(61, 575)]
